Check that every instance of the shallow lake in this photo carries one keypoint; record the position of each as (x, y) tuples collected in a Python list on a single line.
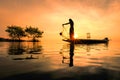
[(78, 61)]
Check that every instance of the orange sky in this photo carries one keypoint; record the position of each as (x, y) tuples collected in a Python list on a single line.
[(99, 17)]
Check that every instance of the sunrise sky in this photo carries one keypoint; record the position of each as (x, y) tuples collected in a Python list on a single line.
[(99, 17)]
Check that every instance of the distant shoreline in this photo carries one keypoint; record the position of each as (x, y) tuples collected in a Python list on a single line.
[(10, 40)]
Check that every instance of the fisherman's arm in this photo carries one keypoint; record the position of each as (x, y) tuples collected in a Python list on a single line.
[(65, 24)]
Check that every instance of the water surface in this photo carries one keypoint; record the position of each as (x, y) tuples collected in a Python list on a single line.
[(56, 58)]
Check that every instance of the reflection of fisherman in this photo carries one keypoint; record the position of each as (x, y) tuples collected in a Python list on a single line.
[(71, 53), (71, 32)]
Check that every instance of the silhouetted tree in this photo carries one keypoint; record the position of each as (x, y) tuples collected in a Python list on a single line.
[(15, 32), (34, 33)]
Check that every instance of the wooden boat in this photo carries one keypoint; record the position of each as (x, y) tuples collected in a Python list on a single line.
[(88, 41)]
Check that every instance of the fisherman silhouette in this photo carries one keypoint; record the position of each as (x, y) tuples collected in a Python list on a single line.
[(71, 32)]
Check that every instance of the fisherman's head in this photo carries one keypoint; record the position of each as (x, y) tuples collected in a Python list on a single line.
[(70, 20)]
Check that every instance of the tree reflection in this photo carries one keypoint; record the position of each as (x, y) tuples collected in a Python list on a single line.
[(16, 48), (27, 49), (34, 48)]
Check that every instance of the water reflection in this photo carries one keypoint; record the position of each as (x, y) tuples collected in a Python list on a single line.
[(24, 50), (71, 53), (34, 48), (79, 50), (16, 48), (89, 47)]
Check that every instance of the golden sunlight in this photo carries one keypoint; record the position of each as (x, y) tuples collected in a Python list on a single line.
[(76, 36)]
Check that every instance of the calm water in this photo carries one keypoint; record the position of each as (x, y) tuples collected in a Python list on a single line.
[(59, 57)]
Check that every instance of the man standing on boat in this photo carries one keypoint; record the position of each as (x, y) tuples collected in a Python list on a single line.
[(71, 32)]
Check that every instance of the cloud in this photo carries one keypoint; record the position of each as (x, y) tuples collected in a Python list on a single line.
[(48, 6), (86, 13)]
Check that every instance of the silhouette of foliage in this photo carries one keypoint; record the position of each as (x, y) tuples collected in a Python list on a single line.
[(34, 33), (15, 32)]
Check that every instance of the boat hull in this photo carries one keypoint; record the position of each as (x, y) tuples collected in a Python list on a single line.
[(88, 41)]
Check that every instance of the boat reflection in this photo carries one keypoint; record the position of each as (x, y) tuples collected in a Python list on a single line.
[(69, 50), (24, 50), (89, 47)]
